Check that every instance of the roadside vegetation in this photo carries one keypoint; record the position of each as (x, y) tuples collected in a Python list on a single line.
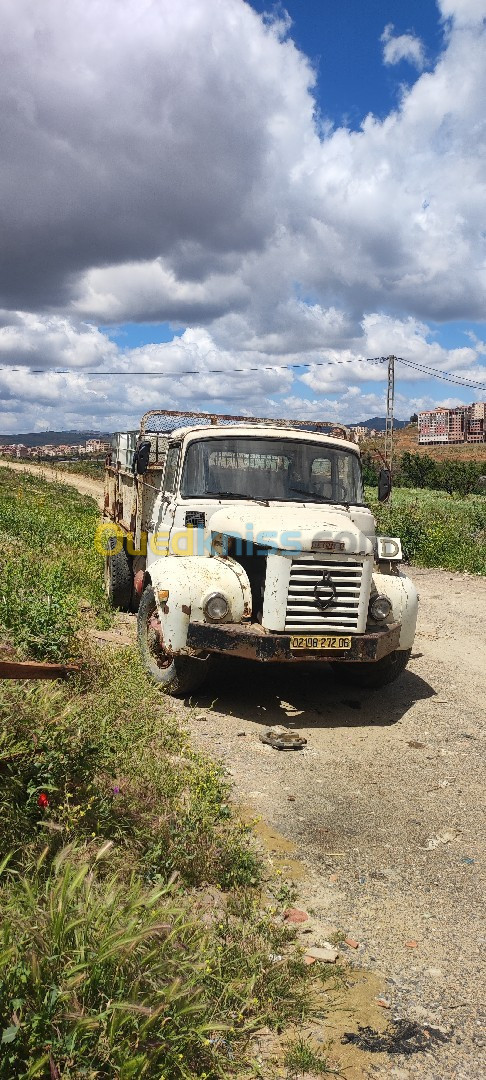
[(436, 529), (91, 467), (135, 939), (94, 469), (456, 476), (50, 572)]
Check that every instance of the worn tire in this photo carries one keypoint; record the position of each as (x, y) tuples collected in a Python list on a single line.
[(182, 674), (375, 674), (119, 579)]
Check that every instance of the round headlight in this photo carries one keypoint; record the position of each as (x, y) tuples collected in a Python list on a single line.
[(380, 608), (216, 607)]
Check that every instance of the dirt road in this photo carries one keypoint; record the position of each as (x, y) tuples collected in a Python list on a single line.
[(379, 819), (384, 807), (84, 484)]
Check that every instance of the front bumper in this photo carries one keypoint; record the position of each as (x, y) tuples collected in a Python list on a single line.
[(255, 643)]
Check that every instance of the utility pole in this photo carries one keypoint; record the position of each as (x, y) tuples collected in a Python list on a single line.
[(390, 398)]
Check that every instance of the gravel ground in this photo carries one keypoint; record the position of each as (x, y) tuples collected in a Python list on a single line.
[(384, 810)]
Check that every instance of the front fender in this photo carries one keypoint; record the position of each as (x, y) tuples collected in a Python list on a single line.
[(404, 598), (189, 580)]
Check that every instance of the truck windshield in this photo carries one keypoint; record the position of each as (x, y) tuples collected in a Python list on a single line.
[(271, 469)]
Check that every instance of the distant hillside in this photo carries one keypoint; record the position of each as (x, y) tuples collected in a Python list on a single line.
[(52, 438), (407, 439), (379, 423)]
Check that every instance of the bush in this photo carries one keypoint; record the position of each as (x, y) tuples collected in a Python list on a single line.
[(436, 529), (452, 475)]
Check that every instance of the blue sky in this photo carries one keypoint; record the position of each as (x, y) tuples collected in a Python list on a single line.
[(342, 40), (251, 187)]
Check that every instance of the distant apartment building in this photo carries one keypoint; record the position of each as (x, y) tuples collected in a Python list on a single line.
[(464, 424), (359, 432), (96, 446)]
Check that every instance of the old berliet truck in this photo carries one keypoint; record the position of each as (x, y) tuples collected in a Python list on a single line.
[(251, 538)]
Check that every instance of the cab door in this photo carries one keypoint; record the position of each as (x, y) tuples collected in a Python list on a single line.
[(162, 520)]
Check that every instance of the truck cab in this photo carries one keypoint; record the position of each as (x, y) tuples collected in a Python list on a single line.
[(253, 539)]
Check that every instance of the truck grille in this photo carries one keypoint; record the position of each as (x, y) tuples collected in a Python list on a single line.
[(346, 612)]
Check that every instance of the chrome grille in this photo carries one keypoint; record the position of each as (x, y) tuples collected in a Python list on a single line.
[(347, 610)]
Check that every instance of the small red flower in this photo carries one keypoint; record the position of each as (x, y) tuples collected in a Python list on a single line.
[(43, 801)]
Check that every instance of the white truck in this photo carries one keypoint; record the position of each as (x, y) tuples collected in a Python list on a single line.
[(252, 538)]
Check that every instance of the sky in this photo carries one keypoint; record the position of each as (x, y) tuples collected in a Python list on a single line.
[(263, 196)]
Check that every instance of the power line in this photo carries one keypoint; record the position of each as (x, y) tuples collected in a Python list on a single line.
[(200, 371), (437, 373)]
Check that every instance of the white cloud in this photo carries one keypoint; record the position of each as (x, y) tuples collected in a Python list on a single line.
[(144, 290), (52, 340), (398, 47), (463, 12), (344, 385), (163, 162)]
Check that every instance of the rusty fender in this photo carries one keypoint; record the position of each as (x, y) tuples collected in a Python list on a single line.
[(255, 643)]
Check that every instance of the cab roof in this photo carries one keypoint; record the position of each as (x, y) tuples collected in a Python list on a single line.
[(213, 431)]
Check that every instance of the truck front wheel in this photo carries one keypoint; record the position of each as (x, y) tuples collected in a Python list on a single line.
[(176, 674), (374, 675)]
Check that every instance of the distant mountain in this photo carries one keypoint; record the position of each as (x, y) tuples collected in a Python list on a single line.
[(52, 438), (72, 438), (379, 423)]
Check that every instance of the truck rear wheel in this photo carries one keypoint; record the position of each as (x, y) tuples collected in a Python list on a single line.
[(177, 674), (374, 675), (119, 579)]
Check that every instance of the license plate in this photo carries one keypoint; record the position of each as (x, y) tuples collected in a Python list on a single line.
[(319, 641)]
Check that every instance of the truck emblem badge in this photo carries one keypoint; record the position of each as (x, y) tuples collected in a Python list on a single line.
[(324, 591)]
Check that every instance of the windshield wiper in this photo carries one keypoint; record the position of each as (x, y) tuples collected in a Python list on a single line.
[(238, 495), (312, 496)]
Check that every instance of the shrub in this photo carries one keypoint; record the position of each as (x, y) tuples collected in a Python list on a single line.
[(436, 529)]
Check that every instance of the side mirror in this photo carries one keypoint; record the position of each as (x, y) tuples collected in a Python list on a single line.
[(142, 458), (384, 485)]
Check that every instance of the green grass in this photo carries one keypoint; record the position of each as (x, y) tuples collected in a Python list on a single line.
[(48, 565), (302, 1057), (93, 469), (436, 529), (114, 764), (134, 941)]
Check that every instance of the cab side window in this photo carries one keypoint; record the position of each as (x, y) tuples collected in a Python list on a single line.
[(172, 469)]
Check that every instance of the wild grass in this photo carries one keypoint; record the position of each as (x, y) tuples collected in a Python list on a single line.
[(436, 529), (302, 1057), (94, 469), (48, 566), (112, 763), (104, 976), (133, 937)]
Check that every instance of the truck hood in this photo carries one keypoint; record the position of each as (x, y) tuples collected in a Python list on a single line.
[(290, 527)]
